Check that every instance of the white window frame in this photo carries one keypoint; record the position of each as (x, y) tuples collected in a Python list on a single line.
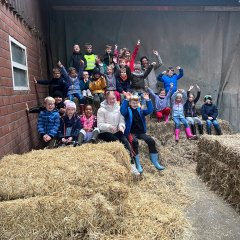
[(18, 65)]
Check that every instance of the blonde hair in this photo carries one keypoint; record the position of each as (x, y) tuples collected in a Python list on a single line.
[(49, 99), (108, 93)]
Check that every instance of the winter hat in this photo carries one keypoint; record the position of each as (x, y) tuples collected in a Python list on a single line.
[(208, 97), (70, 105), (137, 66), (57, 94)]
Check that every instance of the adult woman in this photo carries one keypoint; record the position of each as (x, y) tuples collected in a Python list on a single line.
[(112, 125)]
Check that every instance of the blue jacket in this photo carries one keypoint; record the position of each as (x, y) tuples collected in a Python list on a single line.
[(127, 113), (48, 122), (74, 123), (209, 110), (167, 80)]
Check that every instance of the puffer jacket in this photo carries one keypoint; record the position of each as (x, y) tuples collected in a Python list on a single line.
[(98, 85), (48, 123), (178, 108), (109, 116)]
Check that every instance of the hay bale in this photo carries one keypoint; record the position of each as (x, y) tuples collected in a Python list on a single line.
[(88, 193), (218, 164)]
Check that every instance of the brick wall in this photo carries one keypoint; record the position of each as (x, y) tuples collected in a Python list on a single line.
[(18, 129)]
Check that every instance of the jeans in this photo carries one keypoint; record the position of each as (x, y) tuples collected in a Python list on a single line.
[(192, 120), (77, 95), (213, 122), (178, 121)]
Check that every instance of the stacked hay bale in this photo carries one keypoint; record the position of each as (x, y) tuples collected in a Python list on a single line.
[(218, 164), (87, 192)]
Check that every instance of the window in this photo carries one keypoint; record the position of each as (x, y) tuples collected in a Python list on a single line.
[(19, 65)]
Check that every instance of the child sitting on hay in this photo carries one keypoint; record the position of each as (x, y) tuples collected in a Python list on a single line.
[(190, 110), (162, 103), (136, 127), (70, 126), (89, 132), (209, 114), (179, 98), (48, 122)]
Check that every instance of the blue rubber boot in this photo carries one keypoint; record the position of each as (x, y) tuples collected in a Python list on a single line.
[(138, 165), (154, 160)]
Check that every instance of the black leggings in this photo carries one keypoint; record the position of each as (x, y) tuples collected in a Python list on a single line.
[(118, 136), (148, 139)]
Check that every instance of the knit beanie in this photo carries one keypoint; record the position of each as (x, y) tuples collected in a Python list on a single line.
[(71, 105), (208, 97)]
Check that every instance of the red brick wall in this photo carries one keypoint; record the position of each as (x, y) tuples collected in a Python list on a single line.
[(17, 129)]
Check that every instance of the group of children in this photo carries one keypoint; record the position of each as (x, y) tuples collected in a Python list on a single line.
[(126, 91)]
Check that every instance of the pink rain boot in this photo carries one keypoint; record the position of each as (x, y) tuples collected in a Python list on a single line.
[(177, 132), (189, 134)]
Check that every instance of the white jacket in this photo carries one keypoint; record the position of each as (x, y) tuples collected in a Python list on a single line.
[(109, 117)]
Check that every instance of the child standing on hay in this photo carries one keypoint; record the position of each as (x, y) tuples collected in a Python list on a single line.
[(112, 125), (179, 98), (209, 114), (190, 110), (48, 122), (168, 76), (89, 132), (70, 126), (161, 103), (136, 127)]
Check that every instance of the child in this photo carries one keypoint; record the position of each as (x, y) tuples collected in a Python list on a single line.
[(190, 111), (123, 81), (84, 85), (179, 98), (97, 86), (70, 126), (90, 59), (108, 56), (77, 58), (138, 76), (57, 83), (112, 82), (209, 114), (100, 64), (48, 122), (89, 132), (136, 127), (161, 103), (73, 80), (168, 77), (130, 59), (112, 125)]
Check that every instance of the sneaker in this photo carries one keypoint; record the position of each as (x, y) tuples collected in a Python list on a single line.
[(134, 170)]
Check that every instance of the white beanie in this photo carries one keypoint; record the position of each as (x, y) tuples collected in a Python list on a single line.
[(70, 105)]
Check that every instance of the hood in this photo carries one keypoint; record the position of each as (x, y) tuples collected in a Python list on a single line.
[(108, 107)]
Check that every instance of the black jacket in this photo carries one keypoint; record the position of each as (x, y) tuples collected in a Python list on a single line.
[(209, 110), (75, 61), (189, 107)]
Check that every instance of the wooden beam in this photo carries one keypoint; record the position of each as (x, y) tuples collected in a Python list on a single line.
[(150, 8)]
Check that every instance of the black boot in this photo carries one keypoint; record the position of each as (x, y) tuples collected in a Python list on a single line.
[(209, 131), (193, 129), (218, 130), (200, 128)]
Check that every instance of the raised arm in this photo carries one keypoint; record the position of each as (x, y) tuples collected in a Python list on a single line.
[(180, 75), (159, 59)]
